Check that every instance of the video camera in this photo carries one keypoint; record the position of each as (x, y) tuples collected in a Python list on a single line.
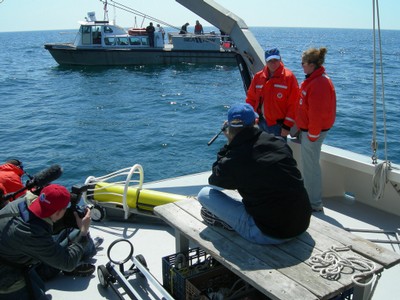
[(69, 221)]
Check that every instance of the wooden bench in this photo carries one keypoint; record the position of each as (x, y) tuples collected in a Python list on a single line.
[(278, 271)]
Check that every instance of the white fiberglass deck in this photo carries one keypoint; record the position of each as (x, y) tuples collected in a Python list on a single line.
[(154, 240)]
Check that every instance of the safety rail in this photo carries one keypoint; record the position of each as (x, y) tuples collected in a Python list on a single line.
[(133, 177)]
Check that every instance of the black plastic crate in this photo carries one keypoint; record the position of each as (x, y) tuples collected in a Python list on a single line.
[(222, 282), (178, 267), (346, 295)]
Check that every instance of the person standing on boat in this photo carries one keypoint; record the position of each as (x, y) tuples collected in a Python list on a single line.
[(316, 112), (26, 240), (150, 32), (184, 28), (273, 93), (160, 29), (272, 205), (198, 28)]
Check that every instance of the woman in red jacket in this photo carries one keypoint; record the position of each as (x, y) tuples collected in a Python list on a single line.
[(316, 114)]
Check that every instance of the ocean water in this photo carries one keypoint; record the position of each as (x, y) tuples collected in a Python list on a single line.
[(95, 120)]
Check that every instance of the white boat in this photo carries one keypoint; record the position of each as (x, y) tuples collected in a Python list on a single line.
[(348, 182), (103, 43)]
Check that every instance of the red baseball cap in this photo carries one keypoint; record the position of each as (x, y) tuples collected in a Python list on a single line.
[(51, 199)]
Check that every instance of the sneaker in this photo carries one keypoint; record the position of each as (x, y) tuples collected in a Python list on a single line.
[(82, 270), (318, 209), (213, 220)]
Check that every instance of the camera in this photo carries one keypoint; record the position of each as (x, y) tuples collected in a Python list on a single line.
[(69, 221), (224, 127), (76, 194)]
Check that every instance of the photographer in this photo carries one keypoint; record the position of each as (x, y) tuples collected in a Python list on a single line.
[(26, 240)]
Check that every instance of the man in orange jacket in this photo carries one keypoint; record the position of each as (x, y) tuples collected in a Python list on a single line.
[(274, 93), (10, 178)]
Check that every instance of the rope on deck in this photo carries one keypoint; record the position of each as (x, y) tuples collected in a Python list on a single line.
[(330, 264)]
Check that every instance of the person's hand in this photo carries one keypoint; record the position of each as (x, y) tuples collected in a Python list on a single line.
[(225, 129), (84, 223), (284, 132)]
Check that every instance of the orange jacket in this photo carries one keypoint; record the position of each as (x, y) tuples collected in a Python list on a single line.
[(198, 29), (275, 97), (316, 111), (10, 179)]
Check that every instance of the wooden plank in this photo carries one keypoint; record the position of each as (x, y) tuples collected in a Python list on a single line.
[(289, 259), (369, 250), (255, 271), (321, 242), (284, 259)]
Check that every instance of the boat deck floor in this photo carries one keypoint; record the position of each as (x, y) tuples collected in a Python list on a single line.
[(154, 239)]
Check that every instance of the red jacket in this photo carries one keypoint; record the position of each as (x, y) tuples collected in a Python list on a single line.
[(275, 97), (316, 111), (10, 179)]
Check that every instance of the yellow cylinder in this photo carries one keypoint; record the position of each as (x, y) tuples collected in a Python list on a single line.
[(148, 199), (104, 192), (140, 199)]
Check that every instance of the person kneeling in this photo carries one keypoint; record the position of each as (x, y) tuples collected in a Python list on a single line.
[(26, 239)]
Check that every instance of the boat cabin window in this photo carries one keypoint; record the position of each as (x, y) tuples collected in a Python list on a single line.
[(86, 29), (108, 29), (96, 34), (122, 41), (145, 41), (86, 35), (109, 41), (134, 41)]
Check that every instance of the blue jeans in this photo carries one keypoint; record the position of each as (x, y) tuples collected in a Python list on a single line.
[(47, 272), (232, 212), (274, 129), (310, 155)]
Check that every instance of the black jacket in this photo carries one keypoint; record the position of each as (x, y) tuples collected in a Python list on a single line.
[(262, 168), (26, 240)]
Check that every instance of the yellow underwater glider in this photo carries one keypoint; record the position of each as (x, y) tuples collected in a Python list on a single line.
[(121, 191)]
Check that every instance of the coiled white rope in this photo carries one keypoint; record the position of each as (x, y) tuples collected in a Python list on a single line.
[(330, 265), (380, 179)]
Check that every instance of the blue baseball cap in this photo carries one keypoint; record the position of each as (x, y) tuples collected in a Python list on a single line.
[(272, 54), (241, 115)]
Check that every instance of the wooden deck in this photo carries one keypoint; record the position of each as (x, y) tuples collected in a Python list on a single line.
[(281, 271)]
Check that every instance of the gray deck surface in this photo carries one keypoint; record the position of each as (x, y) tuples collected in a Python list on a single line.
[(154, 240)]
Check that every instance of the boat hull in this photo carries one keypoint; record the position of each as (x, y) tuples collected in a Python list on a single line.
[(65, 55)]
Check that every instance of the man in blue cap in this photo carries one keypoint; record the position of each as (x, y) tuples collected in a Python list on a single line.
[(271, 205), (274, 93)]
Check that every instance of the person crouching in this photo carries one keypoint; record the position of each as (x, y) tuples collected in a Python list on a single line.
[(26, 240)]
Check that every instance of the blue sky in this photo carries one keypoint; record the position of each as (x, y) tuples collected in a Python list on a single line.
[(21, 15)]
